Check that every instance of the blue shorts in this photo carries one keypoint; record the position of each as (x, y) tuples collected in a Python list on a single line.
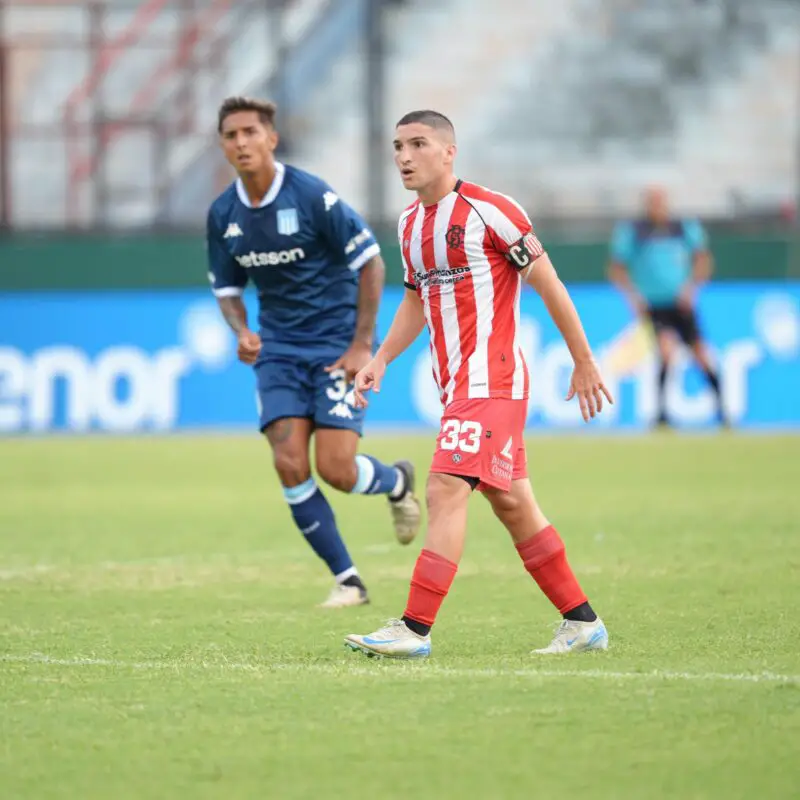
[(288, 387)]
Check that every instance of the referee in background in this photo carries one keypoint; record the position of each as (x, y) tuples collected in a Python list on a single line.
[(658, 262)]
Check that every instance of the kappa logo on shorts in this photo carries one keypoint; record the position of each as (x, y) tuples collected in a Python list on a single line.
[(455, 236), (342, 411), (457, 459)]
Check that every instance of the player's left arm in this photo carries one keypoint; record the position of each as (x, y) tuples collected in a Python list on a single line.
[(587, 383), (513, 236), (349, 237), (702, 263)]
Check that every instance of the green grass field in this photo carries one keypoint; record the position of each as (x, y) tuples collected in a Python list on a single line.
[(160, 637)]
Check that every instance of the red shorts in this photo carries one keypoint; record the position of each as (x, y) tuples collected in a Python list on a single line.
[(483, 439)]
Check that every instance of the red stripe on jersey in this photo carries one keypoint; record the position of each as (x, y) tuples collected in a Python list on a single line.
[(502, 360), (511, 210), (434, 295), (405, 245), (464, 296)]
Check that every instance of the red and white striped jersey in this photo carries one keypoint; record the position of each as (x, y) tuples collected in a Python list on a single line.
[(462, 257)]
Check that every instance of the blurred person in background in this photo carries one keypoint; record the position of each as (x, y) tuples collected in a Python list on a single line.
[(319, 276), (659, 262)]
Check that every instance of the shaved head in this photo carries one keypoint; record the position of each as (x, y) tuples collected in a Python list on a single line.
[(656, 203), (433, 119)]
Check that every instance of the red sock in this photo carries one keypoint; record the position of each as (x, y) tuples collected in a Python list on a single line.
[(430, 583), (545, 558)]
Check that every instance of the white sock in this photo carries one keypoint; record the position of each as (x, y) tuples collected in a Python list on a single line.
[(399, 486), (343, 576)]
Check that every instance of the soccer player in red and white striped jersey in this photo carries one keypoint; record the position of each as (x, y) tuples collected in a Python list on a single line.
[(466, 252)]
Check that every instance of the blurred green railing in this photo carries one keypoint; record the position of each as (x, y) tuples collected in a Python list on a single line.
[(30, 261)]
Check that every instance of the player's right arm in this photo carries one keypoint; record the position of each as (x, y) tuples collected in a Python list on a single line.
[(228, 281), (622, 243), (408, 322)]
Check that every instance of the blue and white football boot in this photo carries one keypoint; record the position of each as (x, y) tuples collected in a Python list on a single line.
[(576, 637), (394, 640)]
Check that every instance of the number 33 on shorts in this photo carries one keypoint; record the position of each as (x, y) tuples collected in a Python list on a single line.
[(463, 436), (483, 438)]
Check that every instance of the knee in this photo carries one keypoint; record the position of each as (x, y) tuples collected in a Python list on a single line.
[(507, 507), (337, 470), (291, 465), (444, 490), (666, 349)]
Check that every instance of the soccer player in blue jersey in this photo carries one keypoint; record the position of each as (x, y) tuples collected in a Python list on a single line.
[(319, 275), (659, 262)]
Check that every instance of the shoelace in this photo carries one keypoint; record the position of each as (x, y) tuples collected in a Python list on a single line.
[(562, 629), (391, 624)]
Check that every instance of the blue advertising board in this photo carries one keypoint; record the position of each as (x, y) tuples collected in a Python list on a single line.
[(162, 361)]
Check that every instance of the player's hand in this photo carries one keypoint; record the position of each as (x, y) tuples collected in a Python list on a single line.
[(355, 358), (686, 298), (640, 307), (369, 378), (587, 384), (249, 346)]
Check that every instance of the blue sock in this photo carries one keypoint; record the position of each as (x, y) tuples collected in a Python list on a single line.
[(376, 478), (314, 517)]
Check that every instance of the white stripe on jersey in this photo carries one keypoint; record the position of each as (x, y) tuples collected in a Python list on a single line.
[(228, 291), (447, 299), (415, 256), (518, 383), (359, 261), (483, 289), (499, 223)]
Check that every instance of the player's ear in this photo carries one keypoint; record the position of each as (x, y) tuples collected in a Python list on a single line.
[(450, 153), (274, 138)]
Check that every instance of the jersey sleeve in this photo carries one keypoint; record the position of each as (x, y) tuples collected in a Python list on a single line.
[(695, 236), (408, 273), (228, 279), (622, 243), (510, 229), (347, 234)]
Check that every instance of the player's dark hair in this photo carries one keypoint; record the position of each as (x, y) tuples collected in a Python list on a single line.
[(433, 119), (232, 105)]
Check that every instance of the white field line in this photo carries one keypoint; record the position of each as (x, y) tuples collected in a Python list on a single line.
[(420, 670)]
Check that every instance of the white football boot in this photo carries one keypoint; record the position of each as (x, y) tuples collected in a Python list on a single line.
[(342, 596), (406, 512), (394, 640), (577, 637)]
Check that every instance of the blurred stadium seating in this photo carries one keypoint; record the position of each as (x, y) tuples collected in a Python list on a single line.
[(567, 104)]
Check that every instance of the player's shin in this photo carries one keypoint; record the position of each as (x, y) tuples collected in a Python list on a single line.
[(314, 518), (433, 576), (545, 558), (438, 562)]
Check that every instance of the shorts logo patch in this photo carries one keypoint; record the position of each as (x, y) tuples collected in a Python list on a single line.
[(457, 458), (342, 411)]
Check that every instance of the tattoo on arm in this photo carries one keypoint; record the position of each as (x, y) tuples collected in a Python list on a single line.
[(234, 311), (369, 297)]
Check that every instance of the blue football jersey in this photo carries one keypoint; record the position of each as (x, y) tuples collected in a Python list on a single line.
[(659, 260), (302, 248)]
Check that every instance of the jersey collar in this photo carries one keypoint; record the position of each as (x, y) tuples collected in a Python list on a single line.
[(270, 196)]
